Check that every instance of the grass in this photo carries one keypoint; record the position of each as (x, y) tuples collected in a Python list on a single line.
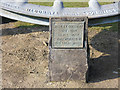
[(25, 24), (110, 26), (68, 4)]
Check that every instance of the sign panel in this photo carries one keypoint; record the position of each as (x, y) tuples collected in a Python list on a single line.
[(67, 34)]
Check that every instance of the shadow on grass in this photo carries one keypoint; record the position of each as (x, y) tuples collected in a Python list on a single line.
[(106, 66), (5, 20), (24, 30)]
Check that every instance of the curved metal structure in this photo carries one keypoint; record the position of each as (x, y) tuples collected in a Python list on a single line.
[(22, 11)]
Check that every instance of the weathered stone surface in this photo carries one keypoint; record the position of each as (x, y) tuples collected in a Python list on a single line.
[(68, 58), (68, 64)]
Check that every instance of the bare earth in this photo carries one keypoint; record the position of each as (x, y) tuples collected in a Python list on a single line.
[(25, 58)]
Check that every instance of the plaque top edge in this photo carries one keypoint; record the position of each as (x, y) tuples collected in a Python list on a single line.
[(62, 22), (68, 18)]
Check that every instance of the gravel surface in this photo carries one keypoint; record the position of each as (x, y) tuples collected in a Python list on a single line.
[(25, 58)]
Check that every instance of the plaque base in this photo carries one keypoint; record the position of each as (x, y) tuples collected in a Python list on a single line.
[(68, 58), (68, 64)]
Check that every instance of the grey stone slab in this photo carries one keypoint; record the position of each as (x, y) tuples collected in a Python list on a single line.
[(45, 21), (68, 61), (68, 64)]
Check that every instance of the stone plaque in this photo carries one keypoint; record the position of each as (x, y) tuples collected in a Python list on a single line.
[(68, 56), (67, 34)]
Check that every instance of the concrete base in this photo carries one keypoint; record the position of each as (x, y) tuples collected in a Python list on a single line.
[(68, 64)]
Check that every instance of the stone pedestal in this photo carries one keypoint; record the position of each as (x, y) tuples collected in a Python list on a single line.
[(68, 55)]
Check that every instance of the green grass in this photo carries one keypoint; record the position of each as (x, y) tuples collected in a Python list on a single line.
[(25, 24), (110, 26), (68, 4)]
